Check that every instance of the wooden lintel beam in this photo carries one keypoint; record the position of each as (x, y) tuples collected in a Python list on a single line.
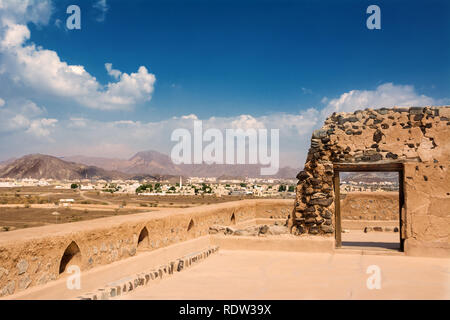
[(374, 167)]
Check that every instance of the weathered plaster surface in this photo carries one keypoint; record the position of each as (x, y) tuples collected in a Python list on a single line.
[(370, 206), (30, 257)]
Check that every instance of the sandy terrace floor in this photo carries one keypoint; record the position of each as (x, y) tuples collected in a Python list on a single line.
[(293, 275), (371, 240)]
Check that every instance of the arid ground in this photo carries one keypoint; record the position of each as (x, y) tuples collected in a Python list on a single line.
[(293, 275), (26, 207)]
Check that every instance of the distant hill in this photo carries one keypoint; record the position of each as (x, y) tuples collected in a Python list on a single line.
[(148, 165), (156, 163), (38, 166), (6, 162), (152, 162), (368, 177)]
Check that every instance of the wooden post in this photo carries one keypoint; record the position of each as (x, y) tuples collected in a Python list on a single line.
[(337, 209), (402, 211)]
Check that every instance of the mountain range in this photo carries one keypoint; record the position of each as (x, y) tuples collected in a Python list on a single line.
[(154, 162), (146, 165), (143, 165), (38, 166), (368, 177)]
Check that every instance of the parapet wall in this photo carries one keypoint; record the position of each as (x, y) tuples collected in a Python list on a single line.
[(370, 206), (416, 137), (35, 256)]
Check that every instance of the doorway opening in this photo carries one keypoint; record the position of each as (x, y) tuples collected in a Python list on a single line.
[(71, 256), (143, 239), (233, 219), (191, 225), (369, 206)]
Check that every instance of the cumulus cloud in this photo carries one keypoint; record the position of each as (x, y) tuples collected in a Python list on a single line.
[(189, 116), (41, 127), (25, 11), (43, 71), (121, 139), (15, 35), (24, 117), (25, 126), (112, 72), (245, 122), (19, 121), (385, 95)]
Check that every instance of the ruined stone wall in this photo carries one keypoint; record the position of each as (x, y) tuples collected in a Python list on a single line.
[(33, 256), (266, 209), (417, 134), (370, 206), (427, 208)]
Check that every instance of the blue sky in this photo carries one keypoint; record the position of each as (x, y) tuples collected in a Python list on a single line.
[(279, 63)]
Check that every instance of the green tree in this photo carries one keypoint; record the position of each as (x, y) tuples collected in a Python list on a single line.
[(144, 188), (74, 186)]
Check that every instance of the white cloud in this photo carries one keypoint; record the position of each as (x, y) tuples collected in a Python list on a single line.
[(25, 11), (77, 122), (21, 116), (15, 35), (19, 122), (190, 116), (245, 122), (30, 108), (43, 71), (386, 95), (120, 139), (41, 127), (102, 6), (58, 23), (112, 72), (24, 124), (306, 90)]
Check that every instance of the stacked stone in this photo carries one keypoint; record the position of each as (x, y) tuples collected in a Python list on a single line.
[(313, 210), (382, 135), (130, 284)]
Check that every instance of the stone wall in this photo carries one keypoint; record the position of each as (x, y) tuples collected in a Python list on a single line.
[(427, 208), (370, 206), (403, 135), (34, 256)]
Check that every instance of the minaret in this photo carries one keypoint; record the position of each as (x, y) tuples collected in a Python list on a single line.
[(181, 182)]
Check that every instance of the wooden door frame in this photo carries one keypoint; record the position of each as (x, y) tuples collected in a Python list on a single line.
[(367, 167)]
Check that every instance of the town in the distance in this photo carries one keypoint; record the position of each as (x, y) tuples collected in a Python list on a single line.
[(45, 189)]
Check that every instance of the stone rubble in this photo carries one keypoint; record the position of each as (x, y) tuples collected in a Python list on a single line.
[(258, 230), (128, 284), (381, 229)]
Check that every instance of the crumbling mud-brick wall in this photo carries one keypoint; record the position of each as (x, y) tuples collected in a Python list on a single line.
[(427, 209), (417, 135), (370, 206), (36, 256)]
